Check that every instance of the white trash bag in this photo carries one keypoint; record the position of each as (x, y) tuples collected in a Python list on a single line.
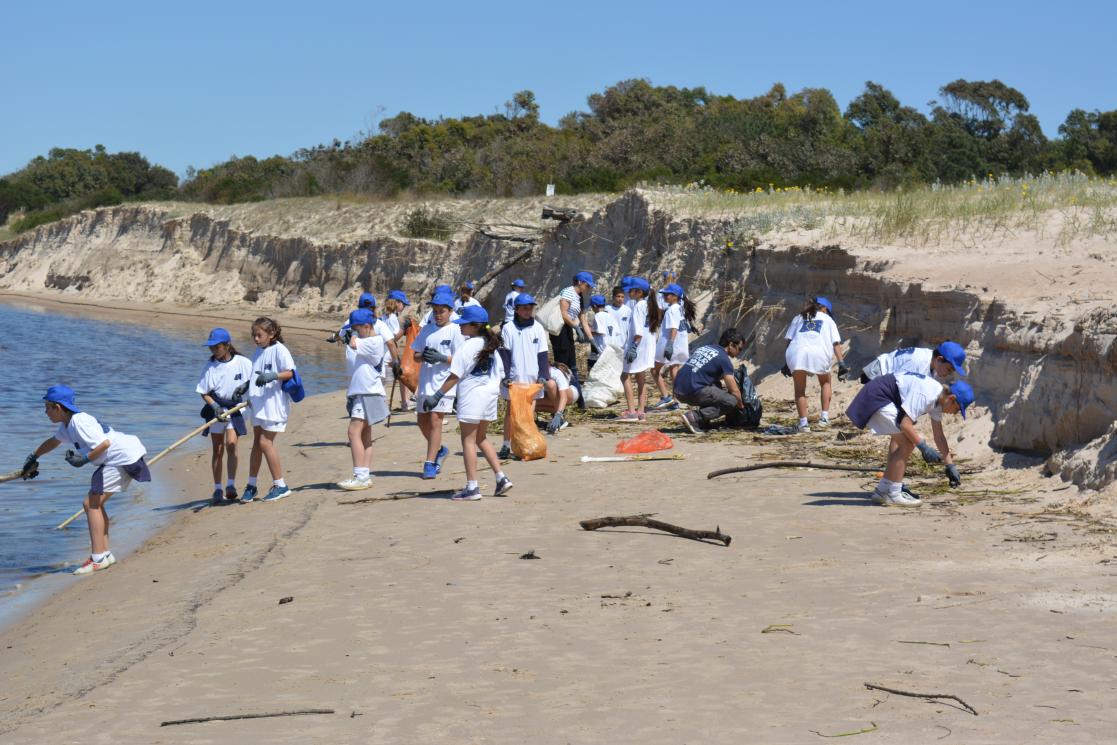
[(603, 386), (550, 315)]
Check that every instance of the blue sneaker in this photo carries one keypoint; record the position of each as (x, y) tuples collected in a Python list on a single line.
[(430, 470), (439, 456), (277, 493), (218, 497), (249, 493), (467, 495)]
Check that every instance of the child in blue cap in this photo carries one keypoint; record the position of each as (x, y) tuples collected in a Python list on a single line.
[(524, 354), (119, 459), (226, 371), (395, 306), (435, 347), (272, 366), (365, 360), (639, 353), (600, 323), (576, 326), (890, 405), (813, 342), (510, 299), (672, 347), (465, 297), (941, 363)]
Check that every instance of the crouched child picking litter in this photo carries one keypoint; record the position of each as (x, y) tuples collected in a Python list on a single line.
[(365, 353), (890, 405), (476, 371), (119, 459)]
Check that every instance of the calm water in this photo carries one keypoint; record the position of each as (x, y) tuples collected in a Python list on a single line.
[(140, 380)]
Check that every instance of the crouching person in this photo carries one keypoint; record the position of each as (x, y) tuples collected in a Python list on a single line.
[(890, 405), (708, 381)]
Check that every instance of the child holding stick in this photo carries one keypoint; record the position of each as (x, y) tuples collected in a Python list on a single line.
[(223, 374)]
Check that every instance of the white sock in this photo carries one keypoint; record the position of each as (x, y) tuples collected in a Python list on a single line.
[(252, 481), (470, 484), (802, 421), (894, 487), (231, 483), (884, 486), (361, 473), (506, 444), (217, 487), (500, 475), (824, 416), (280, 483), (99, 557)]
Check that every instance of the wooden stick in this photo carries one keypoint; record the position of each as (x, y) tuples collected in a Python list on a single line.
[(942, 696), (11, 476), (630, 458), (643, 521), (198, 720), (62, 525), (391, 397), (791, 464)]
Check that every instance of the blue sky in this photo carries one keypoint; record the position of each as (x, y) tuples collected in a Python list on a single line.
[(196, 82)]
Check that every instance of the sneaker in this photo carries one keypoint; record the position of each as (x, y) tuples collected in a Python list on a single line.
[(905, 490), (804, 428), (467, 495), (231, 494), (823, 422), (628, 416), (564, 425), (662, 404), (355, 484), (503, 486), (439, 456), (249, 493), (277, 493), (673, 406), (641, 416), (693, 422), (218, 497), (91, 566), (897, 500), (430, 470), (880, 497), (504, 453)]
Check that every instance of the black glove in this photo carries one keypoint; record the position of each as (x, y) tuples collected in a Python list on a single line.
[(505, 382), (397, 369), (30, 467), (785, 371), (630, 353), (930, 455), (241, 389), (668, 351), (953, 476), (580, 335), (431, 401), (597, 349), (347, 335), (77, 460), (263, 378), (332, 339), (433, 357), (406, 324), (843, 371), (220, 413)]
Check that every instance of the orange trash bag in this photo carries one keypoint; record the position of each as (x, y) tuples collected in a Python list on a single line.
[(648, 441), (528, 442), (410, 376)]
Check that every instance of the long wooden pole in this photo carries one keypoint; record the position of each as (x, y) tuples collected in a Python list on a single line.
[(154, 460), (11, 476)]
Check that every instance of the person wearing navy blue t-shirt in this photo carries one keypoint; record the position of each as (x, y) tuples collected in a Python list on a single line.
[(706, 380)]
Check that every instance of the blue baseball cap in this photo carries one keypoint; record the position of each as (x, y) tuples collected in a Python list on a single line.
[(626, 282), (366, 300), (639, 283), (468, 285), (517, 283), (672, 289), (361, 317), (953, 353), (472, 314), (964, 393), (399, 295), (584, 277), (218, 336), (825, 304), (441, 288), (524, 299), (62, 395), (597, 300), (443, 297)]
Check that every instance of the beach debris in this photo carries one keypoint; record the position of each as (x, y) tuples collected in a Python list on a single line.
[(231, 717), (928, 696), (288, 599), (648, 441), (871, 728), (643, 521), (790, 464), (459, 540), (776, 628), (629, 458), (530, 555)]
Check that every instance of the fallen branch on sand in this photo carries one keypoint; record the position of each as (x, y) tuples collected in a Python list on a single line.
[(791, 464), (643, 521), (871, 728), (929, 696), (198, 720)]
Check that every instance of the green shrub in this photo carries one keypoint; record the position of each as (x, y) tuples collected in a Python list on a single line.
[(427, 223)]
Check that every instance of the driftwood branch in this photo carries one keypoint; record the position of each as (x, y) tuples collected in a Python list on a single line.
[(643, 521), (13, 475), (929, 696), (790, 464), (199, 720), (506, 265)]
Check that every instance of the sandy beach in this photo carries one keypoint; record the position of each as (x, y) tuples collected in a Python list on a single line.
[(415, 619)]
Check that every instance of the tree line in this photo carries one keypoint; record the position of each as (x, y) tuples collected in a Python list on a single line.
[(633, 132)]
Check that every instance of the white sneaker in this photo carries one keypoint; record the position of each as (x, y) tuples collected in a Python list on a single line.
[(804, 428), (823, 422), (91, 566), (896, 500), (355, 484)]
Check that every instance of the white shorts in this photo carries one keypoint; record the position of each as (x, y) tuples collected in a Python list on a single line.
[(218, 427), (445, 406), (814, 360), (270, 426), (371, 407), (481, 409), (884, 421)]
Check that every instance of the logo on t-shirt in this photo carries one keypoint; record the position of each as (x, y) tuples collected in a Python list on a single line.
[(904, 350), (815, 325), (237, 376), (267, 366)]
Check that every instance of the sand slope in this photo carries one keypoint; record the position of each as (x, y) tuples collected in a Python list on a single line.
[(416, 620)]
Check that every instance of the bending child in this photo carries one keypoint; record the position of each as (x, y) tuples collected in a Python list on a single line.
[(813, 342)]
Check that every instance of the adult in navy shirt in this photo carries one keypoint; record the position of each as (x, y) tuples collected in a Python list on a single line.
[(707, 381)]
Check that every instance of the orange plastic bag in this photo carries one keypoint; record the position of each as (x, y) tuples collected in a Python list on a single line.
[(648, 441), (527, 441), (410, 376)]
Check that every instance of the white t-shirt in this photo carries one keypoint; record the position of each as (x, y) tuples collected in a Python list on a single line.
[(919, 395), (907, 359), (623, 316), (222, 378), (270, 402), (600, 323), (525, 344), (638, 327), (476, 382), (510, 305), (674, 318), (459, 303), (820, 332), (84, 432), (365, 365), (560, 378), (575, 299), (392, 321), (445, 339)]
